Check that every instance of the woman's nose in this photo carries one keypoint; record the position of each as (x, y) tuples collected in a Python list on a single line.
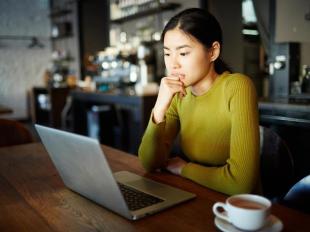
[(175, 63)]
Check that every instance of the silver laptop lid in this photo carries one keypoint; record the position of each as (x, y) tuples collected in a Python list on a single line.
[(83, 167)]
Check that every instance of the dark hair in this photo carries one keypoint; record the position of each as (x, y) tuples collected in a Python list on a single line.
[(201, 25)]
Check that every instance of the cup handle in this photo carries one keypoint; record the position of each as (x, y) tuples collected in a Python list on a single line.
[(219, 214)]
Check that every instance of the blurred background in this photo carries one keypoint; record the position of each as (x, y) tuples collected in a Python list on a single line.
[(93, 66)]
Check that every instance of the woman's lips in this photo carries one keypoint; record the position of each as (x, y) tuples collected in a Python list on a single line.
[(180, 75)]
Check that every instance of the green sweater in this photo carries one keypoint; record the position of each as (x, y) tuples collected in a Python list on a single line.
[(219, 133)]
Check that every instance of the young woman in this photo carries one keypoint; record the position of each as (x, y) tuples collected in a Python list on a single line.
[(214, 111)]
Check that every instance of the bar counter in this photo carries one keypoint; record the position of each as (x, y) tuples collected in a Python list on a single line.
[(285, 112), (123, 125)]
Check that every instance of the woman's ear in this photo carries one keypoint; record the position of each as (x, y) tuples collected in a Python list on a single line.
[(215, 50)]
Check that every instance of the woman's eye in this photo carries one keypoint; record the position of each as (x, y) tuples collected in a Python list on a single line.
[(166, 54), (184, 53)]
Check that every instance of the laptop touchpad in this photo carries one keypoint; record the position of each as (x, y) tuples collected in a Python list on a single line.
[(148, 186)]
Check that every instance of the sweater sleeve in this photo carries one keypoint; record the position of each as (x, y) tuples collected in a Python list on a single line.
[(157, 140), (240, 173)]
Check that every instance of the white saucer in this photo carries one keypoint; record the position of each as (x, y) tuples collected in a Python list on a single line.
[(274, 224)]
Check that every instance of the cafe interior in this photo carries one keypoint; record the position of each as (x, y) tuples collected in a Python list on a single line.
[(93, 68)]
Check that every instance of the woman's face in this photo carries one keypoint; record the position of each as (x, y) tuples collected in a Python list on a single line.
[(186, 57)]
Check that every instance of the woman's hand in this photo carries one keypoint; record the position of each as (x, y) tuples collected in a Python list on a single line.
[(169, 86), (175, 165)]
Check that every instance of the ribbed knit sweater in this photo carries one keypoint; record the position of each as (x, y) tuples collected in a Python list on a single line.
[(219, 134)]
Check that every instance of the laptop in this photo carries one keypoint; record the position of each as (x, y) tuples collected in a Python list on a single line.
[(84, 169)]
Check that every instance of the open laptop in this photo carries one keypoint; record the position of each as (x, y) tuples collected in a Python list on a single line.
[(84, 169)]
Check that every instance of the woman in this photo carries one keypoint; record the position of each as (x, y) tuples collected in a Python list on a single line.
[(214, 111)]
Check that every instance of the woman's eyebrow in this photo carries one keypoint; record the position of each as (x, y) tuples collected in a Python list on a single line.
[(179, 47)]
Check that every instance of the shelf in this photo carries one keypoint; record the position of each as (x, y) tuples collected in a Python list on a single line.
[(160, 8), (62, 37)]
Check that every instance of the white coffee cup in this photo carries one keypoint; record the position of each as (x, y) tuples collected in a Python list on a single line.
[(244, 211)]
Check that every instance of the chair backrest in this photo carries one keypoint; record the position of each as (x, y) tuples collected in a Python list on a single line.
[(277, 167), (13, 133)]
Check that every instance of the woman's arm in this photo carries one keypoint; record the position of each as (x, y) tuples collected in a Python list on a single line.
[(163, 125), (157, 140), (169, 86)]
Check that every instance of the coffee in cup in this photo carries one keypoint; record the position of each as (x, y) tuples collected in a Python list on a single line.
[(244, 211)]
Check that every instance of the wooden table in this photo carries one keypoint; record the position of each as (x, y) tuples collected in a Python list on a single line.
[(33, 198)]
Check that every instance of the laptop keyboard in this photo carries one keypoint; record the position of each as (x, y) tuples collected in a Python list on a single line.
[(136, 199)]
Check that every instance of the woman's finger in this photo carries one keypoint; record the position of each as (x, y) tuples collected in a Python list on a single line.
[(172, 80)]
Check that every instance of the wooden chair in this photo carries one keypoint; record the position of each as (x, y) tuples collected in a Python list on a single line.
[(13, 133)]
